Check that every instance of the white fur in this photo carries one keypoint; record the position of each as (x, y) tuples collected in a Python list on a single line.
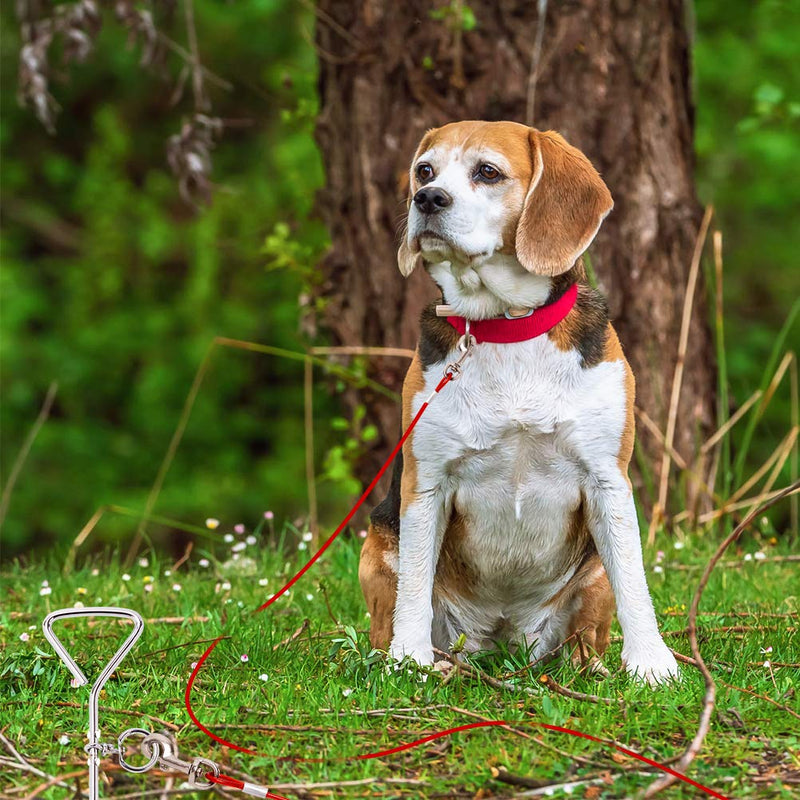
[(512, 445)]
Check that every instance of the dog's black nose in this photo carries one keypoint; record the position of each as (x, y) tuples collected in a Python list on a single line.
[(431, 200)]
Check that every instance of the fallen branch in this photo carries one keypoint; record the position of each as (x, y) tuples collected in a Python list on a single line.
[(710, 694)]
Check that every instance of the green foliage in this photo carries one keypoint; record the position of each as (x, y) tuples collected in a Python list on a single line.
[(112, 287), (747, 79)]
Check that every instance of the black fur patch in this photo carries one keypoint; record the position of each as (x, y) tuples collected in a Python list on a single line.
[(591, 325), (386, 514), (437, 337)]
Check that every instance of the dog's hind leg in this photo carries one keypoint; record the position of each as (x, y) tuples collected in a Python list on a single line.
[(377, 573)]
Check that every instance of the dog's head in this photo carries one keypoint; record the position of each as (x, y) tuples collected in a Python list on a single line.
[(478, 189)]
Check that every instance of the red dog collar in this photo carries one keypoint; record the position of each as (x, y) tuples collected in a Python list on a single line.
[(504, 330)]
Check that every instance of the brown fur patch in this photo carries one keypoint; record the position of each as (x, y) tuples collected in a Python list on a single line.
[(564, 206), (613, 352), (454, 576), (379, 584), (591, 621), (413, 384)]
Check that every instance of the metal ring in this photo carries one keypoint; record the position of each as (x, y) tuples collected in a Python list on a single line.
[(155, 752), (197, 772)]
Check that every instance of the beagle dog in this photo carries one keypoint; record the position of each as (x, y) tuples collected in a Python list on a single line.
[(510, 513)]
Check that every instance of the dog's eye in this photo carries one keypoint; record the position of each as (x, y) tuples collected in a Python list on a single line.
[(486, 172), (424, 172)]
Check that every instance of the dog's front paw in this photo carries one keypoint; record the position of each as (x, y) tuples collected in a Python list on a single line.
[(420, 653), (656, 665)]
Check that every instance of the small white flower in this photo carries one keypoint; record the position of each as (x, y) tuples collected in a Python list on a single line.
[(347, 692), (657, 568), (268, 515), (759, 556), (309, 597), (678, 545), (767, 664), (748, 556), (78, 604), (660, 556), (148, 587), (308, 536), (32, 627), (74, 683), (126, 577), (193, 665), (143, 562), (263, 581), (45, 590), (204, 562), (167, 573), (238, 547), (362, 534), (302, 546), (367, 615), (63, 740), (244, 658), (227, 538), (263, 676), (23, 637), (176, 587), (766, 650), (239, 528), (251, 540), (212, 524), (226, 587), (229, 600), (45, 583), (95, 572), (240, 603)]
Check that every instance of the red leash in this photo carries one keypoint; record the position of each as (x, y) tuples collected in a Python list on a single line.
[(257, 791)]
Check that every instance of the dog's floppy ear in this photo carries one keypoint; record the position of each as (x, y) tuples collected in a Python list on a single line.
[(408, 256), (406, 259), (566, 202)]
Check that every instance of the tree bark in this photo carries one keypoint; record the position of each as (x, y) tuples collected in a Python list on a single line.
[(613, 76)]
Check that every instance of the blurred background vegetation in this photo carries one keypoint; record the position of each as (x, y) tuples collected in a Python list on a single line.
[(113, 286)]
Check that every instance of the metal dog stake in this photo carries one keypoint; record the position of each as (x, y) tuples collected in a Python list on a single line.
[(157, 748)]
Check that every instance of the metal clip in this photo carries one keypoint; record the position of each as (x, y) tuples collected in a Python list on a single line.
[(164, 750), (95, 748), (464, 345)]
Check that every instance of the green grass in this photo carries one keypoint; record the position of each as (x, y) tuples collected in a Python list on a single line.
[(324, 687)]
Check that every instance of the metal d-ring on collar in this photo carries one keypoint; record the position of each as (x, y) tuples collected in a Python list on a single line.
[(464, 346)]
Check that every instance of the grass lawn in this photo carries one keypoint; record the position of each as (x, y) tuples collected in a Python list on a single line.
[(324, 694)]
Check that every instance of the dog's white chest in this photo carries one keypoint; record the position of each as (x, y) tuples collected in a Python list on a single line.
[(512, 440)]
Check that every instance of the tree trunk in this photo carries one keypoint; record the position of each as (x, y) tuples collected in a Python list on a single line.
[(613, 78)]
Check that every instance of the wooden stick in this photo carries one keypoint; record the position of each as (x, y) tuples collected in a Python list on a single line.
[(666, 461), (710, 694)]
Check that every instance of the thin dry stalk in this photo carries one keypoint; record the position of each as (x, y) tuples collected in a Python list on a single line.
[(177, 435), (740, 412), (184, 558), (308, 424), (536, 57), (776, 379), (358, 350), (648, 422), (749, 501), (776, 471), (666, 461), (22, 456), (710, 694), (781, 451)]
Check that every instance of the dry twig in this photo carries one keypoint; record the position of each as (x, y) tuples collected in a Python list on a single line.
[(710, 694)]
